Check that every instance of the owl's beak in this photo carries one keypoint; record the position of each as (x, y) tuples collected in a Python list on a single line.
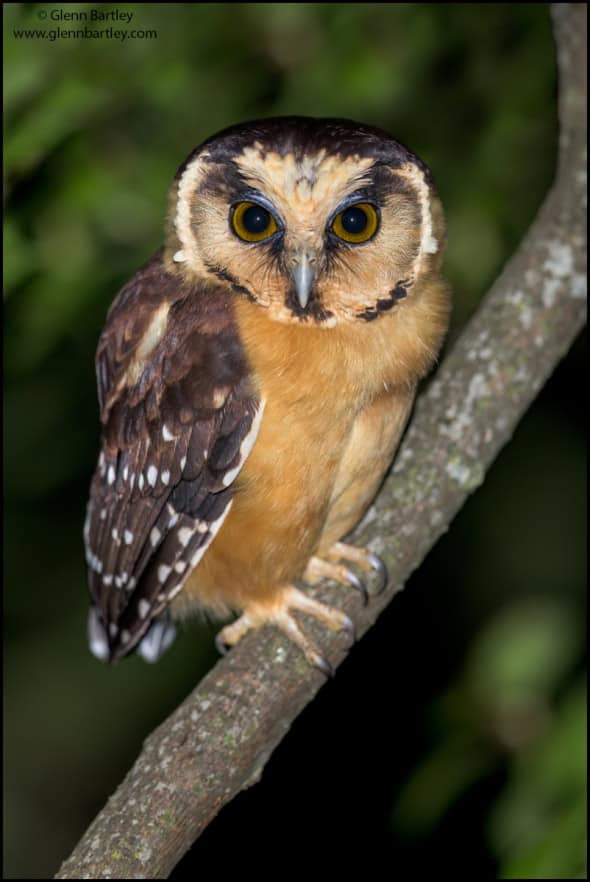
[(303, 274)]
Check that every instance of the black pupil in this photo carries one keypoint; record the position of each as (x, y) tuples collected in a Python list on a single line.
[(354, 220), (256, 219)]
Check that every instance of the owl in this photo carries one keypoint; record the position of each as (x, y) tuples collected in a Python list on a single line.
[(254, 379)]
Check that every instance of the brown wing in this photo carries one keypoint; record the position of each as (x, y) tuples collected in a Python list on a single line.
[(178, 415)]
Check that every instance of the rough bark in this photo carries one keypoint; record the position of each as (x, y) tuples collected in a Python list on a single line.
[(219, 739)]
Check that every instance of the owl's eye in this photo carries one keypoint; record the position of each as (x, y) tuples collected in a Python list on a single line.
[(357, 223), (252, 222)]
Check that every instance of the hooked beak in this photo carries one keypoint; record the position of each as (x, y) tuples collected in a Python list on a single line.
[(303, 274)]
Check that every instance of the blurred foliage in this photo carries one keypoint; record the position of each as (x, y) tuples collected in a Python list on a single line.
[(506, 710), (94, 131)]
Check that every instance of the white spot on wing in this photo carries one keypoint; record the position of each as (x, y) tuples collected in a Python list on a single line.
[(128, 537), (99, 648), (184, 535), (163, 572), (143, 608), (93, 562), (157, 640), (167, 434), (97, 638), (165, 477), (152, 475), (111, 475), (155, 536)]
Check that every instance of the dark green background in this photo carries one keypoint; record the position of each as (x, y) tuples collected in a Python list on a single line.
[(453, 738)]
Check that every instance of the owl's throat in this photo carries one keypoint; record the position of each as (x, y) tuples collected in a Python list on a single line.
[(312, 309)]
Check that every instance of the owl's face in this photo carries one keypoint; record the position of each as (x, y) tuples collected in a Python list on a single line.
[(317, 221)]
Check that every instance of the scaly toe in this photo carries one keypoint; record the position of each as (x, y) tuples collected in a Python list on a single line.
[(279, 613), (232, 634)]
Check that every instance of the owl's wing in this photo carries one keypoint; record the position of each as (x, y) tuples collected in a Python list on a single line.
[(179, 418)]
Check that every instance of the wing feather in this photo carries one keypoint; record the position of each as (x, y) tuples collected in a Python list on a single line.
[(178, 413)]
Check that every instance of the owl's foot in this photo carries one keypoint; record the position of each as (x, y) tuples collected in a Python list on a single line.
[(330, 567), (318, 569), (279, 614)]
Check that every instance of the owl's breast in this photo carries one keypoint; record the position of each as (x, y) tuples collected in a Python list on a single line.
[(331, 422), (281, 503)]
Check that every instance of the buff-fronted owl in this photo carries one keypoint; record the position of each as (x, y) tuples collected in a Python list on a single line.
[(254, 380)]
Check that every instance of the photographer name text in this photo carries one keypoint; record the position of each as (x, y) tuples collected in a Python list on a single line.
[(113, 15)]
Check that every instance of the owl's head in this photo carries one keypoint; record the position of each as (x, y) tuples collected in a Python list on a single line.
[(316, 220)]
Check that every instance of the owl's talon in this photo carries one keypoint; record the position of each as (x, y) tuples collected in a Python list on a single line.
[(380, 569), (324, 666), (350, 629), (220, 644), (233, 633), (362, 557), (357, 583), (318, 568)]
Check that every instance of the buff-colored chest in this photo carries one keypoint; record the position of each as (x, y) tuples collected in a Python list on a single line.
[(313, 395), (335, 404)]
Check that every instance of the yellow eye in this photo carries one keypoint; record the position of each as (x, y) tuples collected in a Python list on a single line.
[(357, 223), (252, 223)]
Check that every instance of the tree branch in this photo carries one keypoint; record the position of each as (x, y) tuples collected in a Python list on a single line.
[(219, 739)]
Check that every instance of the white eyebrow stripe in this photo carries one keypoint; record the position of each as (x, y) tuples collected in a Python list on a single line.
[(428, 242), (188, 253)]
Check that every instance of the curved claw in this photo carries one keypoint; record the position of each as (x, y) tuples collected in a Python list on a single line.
[(350, 629), (381, 570), (324, 666), (220, 644), (360, 586)]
